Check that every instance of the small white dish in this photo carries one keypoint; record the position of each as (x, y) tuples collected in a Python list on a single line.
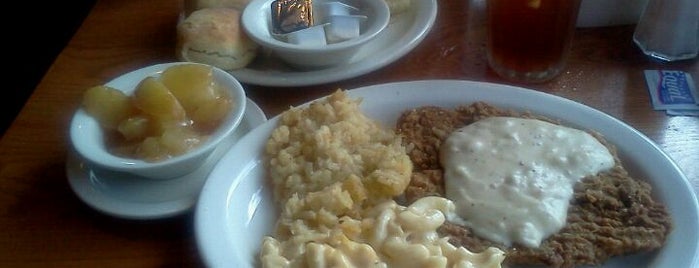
[(236, 202), (256, 20), (404, 32), (88, 138), (127, 196)]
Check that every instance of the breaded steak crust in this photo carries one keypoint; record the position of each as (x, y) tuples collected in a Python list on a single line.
[(611, 214)]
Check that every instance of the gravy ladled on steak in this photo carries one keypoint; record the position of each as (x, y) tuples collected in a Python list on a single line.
[(611, 214)]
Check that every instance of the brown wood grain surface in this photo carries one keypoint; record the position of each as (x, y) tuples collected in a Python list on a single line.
[(43, 223)]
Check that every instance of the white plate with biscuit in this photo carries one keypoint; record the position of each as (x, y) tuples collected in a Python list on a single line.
[(236, 209), (404, 32)]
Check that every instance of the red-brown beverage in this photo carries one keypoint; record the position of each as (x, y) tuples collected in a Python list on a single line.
[(528, 40)]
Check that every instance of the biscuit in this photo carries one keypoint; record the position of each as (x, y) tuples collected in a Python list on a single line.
[(214, 36)]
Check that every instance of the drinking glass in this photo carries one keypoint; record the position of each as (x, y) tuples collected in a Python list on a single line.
[(529, 40), (669, 29)]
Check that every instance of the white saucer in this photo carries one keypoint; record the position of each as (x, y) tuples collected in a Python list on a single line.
[(127, 196), (403, 33)]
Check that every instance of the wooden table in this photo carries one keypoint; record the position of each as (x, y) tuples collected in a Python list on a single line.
[(44, 224)]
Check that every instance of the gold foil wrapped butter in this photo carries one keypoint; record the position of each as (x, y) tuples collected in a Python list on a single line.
[(291, 15)]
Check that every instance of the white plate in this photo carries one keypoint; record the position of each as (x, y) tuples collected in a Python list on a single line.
[(127, 196), (404, 32), (235, 208)]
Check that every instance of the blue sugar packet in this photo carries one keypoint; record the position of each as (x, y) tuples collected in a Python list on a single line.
[(672, 90)]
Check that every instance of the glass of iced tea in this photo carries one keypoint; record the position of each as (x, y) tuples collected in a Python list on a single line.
[(529, 40)]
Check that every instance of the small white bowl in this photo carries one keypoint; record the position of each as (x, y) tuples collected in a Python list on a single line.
[(88, 138), (257, 23)]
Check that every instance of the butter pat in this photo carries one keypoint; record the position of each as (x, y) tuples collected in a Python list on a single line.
[(314, 36), (328, 9), (341, 28), (291, 15)]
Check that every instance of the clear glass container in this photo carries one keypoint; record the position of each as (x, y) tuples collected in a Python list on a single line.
[(669, 29)]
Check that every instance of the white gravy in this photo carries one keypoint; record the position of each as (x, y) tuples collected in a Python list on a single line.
[(511, 179)]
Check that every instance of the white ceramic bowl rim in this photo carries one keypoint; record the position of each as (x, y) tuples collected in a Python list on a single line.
[(378, 10), (82, 123)]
